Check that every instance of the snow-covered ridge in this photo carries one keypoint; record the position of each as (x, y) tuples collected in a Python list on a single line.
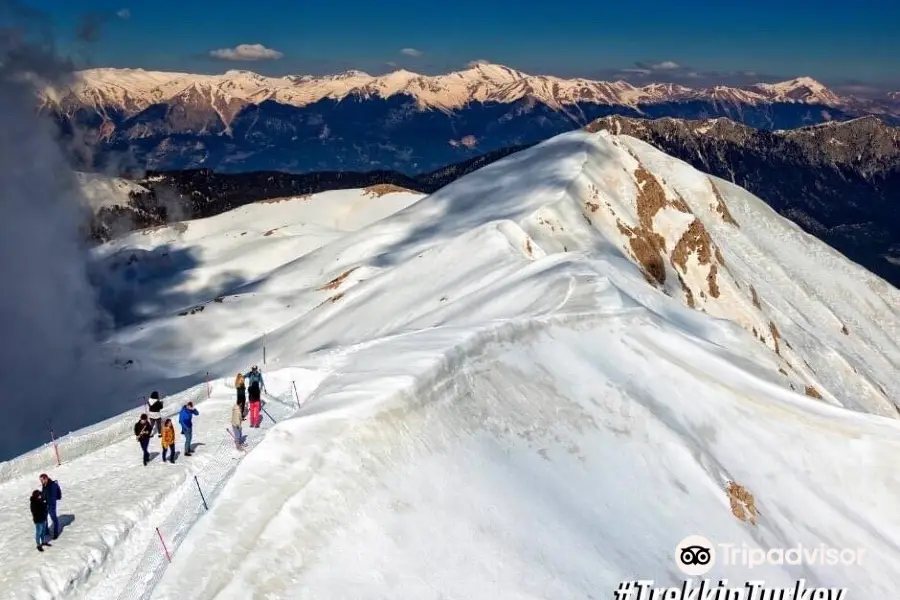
[(532, 383), (132, 90)]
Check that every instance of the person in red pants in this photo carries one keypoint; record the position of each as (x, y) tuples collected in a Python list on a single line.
[(255, 379)]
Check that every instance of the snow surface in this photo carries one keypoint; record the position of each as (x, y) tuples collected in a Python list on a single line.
[(499, 394)]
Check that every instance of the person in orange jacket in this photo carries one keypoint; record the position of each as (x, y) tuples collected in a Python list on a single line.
[(168, 440)]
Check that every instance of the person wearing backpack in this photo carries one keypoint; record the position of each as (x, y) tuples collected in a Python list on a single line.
[(241, 388), (39, 516), (51, 493), (155, 406), (143, 431), (254, 377)]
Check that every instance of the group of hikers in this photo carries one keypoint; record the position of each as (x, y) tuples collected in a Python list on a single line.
[(43, 501), (152, 420)]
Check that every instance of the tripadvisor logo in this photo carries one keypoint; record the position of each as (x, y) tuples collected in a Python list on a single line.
[(820, 554), (695, 555)]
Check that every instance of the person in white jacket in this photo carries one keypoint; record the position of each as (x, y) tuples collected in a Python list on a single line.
[(237, 415), (154, 413)]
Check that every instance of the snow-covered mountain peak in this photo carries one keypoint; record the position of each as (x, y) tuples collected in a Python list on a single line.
[(804, 89)]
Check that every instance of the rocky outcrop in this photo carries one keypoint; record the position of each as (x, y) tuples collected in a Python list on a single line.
[(838, 181)]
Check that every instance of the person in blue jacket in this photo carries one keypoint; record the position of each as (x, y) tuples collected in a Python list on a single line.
[(51, 493), (185, 418)]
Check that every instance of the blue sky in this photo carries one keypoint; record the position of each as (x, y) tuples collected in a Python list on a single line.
[(838, 44)]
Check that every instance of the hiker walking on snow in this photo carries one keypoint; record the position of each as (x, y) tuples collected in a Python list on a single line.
[(237, 415), (185, 418), (51, 493), (241, 393), (155, 406), (39, 516), (143, 431), (255, 379), (168, 440)]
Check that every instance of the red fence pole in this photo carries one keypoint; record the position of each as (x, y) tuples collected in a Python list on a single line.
[(55, 447), (161, 541)]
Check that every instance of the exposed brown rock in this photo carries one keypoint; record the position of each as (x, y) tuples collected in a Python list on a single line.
[(337, 281), (813, 392), (382, 189), (592, 206), (688, 294), (755, 297), (285, 198), (844, 330), (712, 281), (680, 204), (721, 207), (782, 371), (528, 247), (775, 337), (695, 239), (650, 199), (646, 247), (743, 504), (647, 254)]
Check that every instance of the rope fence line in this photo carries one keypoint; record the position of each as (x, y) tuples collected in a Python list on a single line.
[(195, 494)]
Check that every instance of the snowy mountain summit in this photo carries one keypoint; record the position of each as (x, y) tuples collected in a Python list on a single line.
[(535, 382)]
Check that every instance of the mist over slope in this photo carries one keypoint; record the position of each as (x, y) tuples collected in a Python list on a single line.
[(50, 358), (570, 359)]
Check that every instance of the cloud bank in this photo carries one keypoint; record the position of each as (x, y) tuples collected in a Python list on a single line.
[(411, 52), (51, 365), (246, 52)]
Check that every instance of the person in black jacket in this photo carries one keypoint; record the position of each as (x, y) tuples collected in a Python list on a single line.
[(39, 516), (143, 431)]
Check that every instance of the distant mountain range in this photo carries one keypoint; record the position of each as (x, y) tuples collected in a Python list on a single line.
[(405, 122)]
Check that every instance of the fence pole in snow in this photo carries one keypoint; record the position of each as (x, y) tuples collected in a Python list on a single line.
[(55, 447), (296, 395), (161, 541), (197, 481), (208, 391), (264, 349), (267, 413)]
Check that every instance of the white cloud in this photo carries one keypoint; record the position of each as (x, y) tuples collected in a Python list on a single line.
[(123, 13), (391, 63), (246, 52), (411, 52), (666, 65), (476, 62)]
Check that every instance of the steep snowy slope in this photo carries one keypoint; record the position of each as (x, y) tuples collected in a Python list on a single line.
[(509, 389)]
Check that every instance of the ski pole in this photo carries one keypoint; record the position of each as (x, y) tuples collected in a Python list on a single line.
[(267, 413)]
